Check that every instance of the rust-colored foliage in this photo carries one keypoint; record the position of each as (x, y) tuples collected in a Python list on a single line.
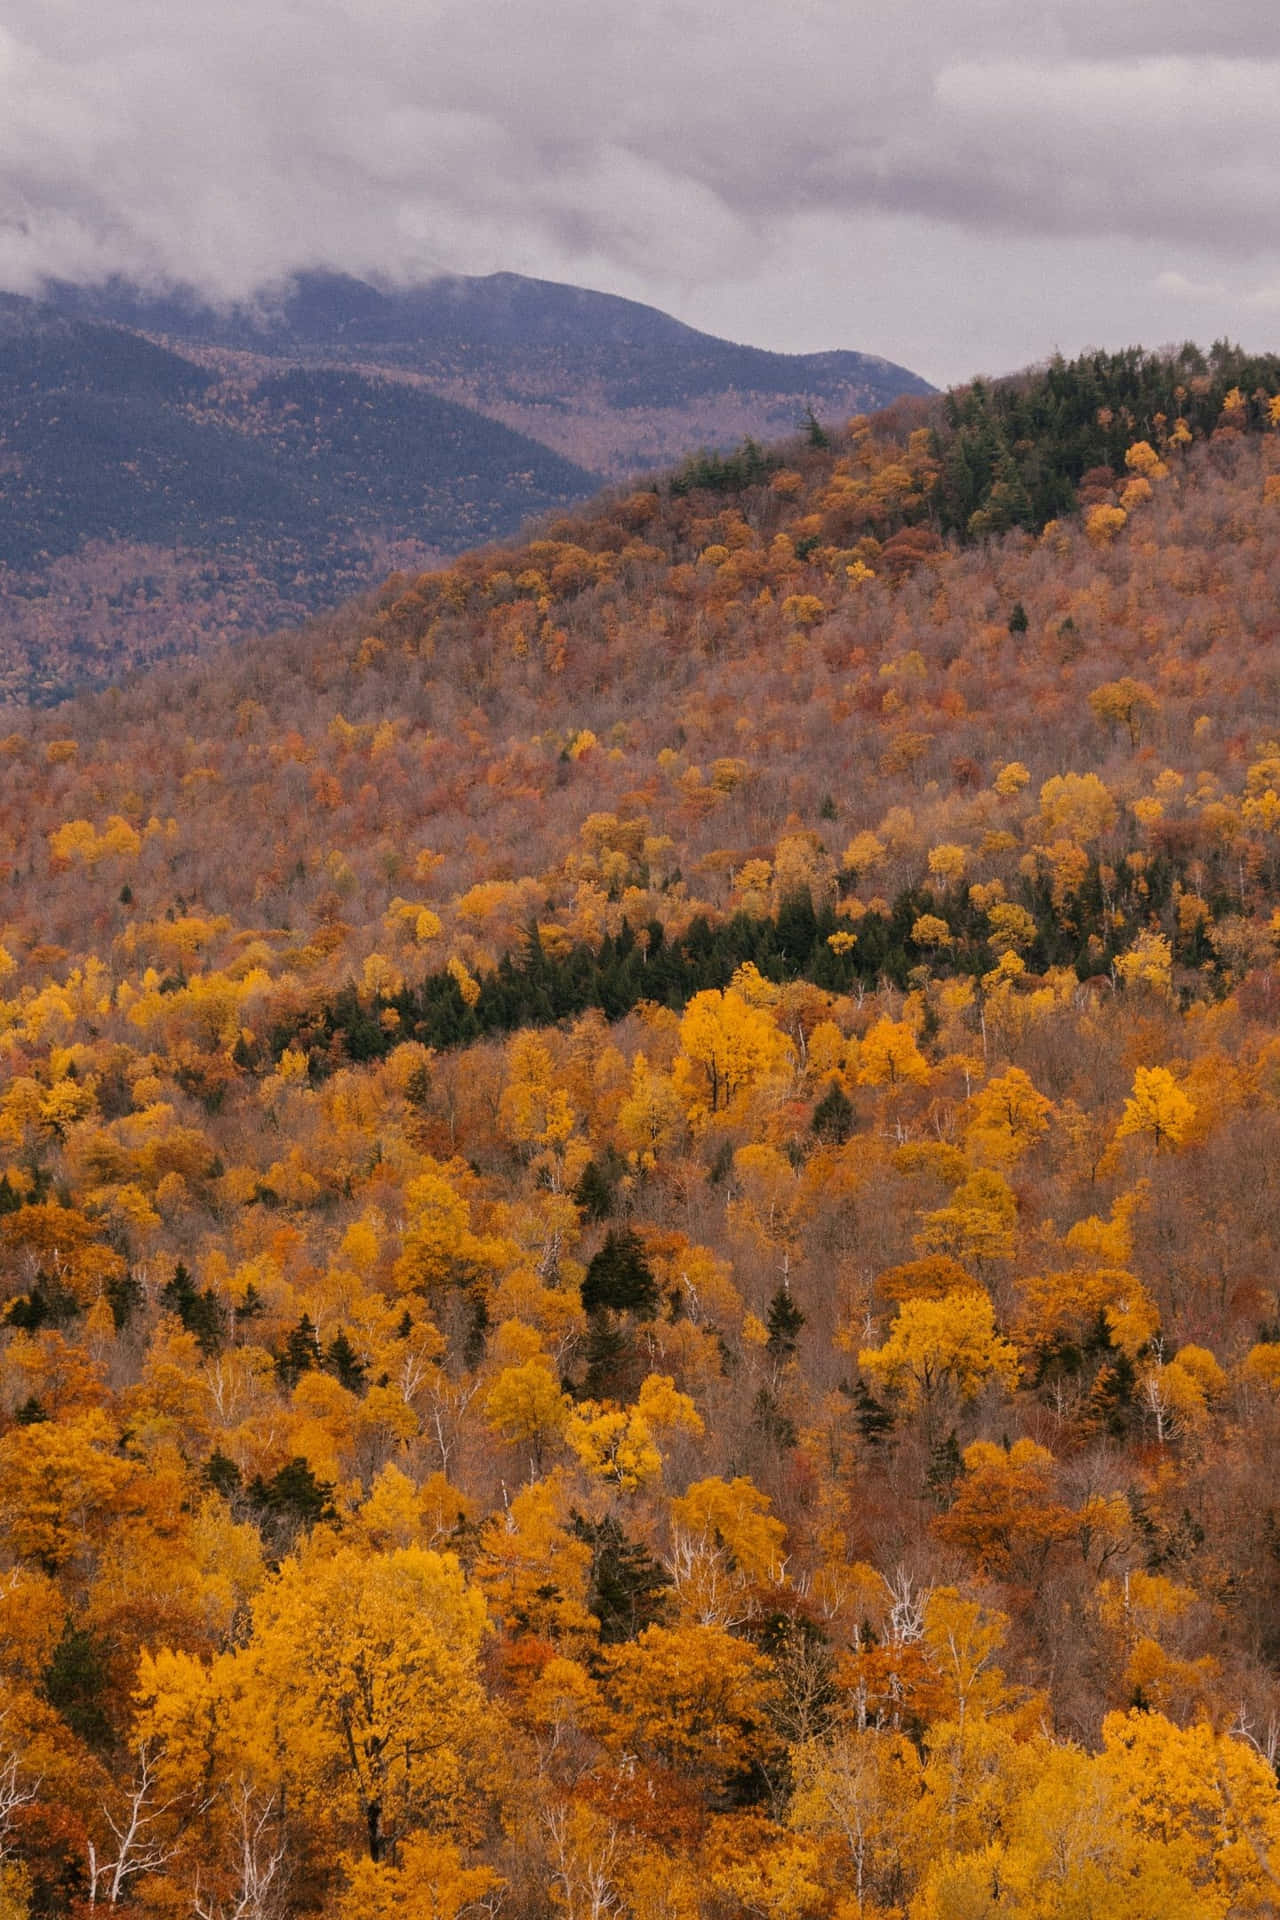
[(620, 1292)]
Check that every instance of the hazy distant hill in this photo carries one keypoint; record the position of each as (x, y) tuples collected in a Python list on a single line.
[(170, 473), (107, 436), (146, 500), (610, 383)]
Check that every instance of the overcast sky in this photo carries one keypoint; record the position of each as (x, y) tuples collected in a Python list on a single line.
[(961, 185)]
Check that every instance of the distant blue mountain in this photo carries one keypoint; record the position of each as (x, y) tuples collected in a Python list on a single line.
[(497, 314), (172, 471), (611, 384), (107, 436)]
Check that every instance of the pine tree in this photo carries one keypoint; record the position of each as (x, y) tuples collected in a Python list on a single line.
[(620, 1278), (784, 1321)]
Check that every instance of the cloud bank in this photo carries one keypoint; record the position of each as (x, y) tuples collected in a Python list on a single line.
[(703, 155)]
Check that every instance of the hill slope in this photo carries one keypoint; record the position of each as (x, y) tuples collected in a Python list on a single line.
[(279, 491), (613, 384), (170, 474), (648, 1165)]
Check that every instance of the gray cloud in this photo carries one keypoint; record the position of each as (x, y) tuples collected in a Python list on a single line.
[(675, 151)]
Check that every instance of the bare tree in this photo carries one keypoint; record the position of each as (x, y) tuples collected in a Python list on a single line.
[(260, 1863), (584, 1855), (15, 1792), (143, 1844)]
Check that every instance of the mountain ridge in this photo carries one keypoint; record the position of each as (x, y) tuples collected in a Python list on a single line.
[(170, 474), (499, 307)]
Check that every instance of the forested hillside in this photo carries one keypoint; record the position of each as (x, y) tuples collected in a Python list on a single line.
[(145, 500), (640, 1180), (609, 383), (108, 437), (171, 475)]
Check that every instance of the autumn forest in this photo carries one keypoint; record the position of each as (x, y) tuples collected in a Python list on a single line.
[(639, 1189)]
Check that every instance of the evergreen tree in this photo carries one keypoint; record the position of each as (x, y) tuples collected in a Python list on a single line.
[(833, 1116), (594, 1192), (628, 1588), (200, 1313), (76, 1682), (301, 1352), (620, 1278), (342, 1361), (784, 1321)]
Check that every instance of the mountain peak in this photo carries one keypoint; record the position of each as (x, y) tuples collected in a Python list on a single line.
[(174, 471), (322, 310)]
